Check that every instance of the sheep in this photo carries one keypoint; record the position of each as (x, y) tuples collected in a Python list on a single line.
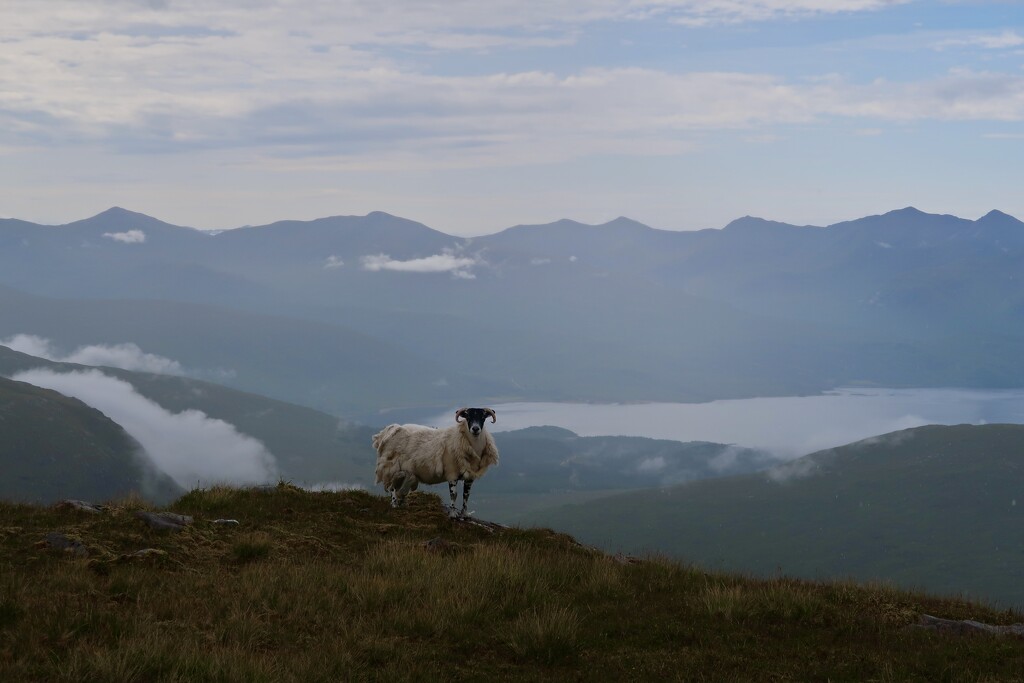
[(408, 455)]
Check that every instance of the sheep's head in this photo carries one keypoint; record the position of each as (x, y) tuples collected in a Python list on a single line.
[(475, 418)]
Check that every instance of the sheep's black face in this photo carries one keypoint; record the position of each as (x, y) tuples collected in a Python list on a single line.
[(475, 418)]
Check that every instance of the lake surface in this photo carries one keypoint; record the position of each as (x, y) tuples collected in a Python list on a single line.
[(788, 426)]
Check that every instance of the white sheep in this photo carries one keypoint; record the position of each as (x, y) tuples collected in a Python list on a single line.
[(408, 455)]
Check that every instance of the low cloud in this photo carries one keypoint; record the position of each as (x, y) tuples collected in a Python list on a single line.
[(333, 262), (127, 237), (447, 261), (801, 468), (725, 460), (125, 356), (656, 464), (191, 447), (888, 440)]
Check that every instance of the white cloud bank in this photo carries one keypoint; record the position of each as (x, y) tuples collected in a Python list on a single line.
[(194, 449), (125, 356), (446, 262), (127, 237), (110, 74)]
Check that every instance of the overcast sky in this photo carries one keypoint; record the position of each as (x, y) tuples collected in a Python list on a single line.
[(473, 116)]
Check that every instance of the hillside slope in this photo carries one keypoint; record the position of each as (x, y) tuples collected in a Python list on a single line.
[(326, 587), (934, 507), (54, 447), (310, 446)]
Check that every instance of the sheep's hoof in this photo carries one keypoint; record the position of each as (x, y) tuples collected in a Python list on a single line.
[(465, 514), (452, 512)]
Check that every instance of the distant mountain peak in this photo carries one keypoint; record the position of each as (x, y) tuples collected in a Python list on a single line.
[(995, 216), (622, 222), (117, 211), (755, 223), (117, 219), (906, 211)]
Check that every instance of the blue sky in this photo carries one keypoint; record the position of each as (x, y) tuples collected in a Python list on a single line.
[(472, 117)]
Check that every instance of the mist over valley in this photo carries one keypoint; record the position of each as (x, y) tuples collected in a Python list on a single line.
[(786, 427)]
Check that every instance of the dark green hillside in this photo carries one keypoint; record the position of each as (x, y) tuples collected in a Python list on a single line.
[(54, 447), (310, 446), (934, 507), (337, 587)]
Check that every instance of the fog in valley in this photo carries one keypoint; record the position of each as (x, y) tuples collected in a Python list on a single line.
[(788, 427)]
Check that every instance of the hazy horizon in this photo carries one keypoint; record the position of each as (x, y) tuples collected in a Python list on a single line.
[(681, 114)]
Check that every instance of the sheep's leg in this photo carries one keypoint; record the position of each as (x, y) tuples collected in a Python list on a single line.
[(408, 483), (467, 484), (396, 483), (454, 493)]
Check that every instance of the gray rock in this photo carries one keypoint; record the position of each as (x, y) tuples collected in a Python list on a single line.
[(59, 541), (80, 505), (164, 520)]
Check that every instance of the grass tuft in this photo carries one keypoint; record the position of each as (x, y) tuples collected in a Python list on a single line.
[(546, 636), (251, 548), (10, 612)]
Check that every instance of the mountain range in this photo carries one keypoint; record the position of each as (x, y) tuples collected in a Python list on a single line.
[(356, 315)]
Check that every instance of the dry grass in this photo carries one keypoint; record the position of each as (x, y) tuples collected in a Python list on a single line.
[(327, 587)]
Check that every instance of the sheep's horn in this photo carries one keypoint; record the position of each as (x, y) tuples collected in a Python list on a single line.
[(458, 414), (494, 417)]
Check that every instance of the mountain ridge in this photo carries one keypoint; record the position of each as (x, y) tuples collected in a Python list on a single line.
[(120, 214), (613, 312)]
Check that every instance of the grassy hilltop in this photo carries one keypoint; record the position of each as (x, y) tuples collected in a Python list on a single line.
[(329, 586)]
